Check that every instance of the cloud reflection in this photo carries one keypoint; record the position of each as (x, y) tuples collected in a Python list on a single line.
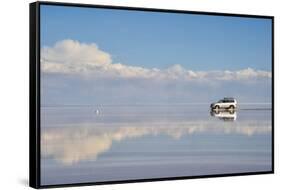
[(72, 144)]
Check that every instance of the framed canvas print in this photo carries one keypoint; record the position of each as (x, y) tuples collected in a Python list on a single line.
[(122, 94)]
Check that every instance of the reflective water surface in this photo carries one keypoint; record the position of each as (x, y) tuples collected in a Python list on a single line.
[(104, 143)]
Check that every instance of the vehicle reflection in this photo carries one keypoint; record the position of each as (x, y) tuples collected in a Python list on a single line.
[(225, 114)]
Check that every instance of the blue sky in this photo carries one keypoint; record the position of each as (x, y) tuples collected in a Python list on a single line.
[(197, 42), (104, 56)]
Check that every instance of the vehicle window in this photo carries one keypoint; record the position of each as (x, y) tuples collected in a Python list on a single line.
[(226, 101), (229, 101)]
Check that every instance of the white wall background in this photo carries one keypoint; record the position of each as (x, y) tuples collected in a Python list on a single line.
[(14, 27)]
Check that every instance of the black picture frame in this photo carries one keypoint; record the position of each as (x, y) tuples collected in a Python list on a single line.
[(34, 93)]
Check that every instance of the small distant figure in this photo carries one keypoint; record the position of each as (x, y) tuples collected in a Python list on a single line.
[(97, 112)]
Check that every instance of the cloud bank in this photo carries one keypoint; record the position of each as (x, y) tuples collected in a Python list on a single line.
[(74, 58)]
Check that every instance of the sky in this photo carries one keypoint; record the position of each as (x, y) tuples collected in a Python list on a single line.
[(99, 56)]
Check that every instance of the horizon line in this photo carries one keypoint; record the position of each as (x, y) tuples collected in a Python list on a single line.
[(142, 104)]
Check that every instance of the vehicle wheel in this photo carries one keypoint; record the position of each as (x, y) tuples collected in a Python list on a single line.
[(216, 111), (217, 107), (231, 107)]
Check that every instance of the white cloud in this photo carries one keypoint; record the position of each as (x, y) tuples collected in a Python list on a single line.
[(75, 58)]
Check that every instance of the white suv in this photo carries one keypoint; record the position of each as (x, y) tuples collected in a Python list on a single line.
[(226, 103)]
